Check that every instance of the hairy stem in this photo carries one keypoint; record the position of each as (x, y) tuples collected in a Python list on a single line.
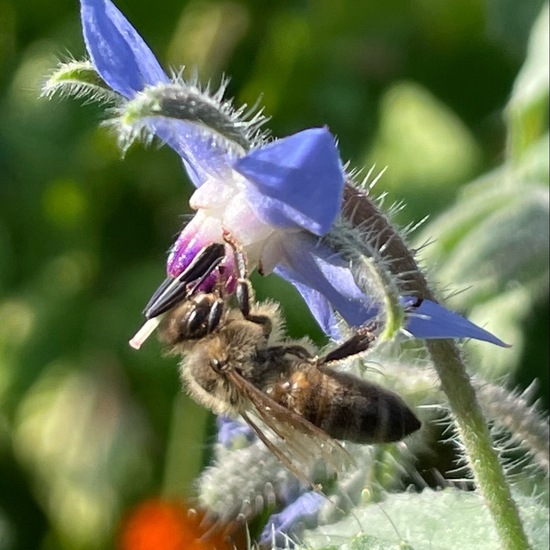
[(476, 439), (474, 433), (517, 413)]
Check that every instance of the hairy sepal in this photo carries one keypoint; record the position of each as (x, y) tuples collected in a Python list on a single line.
[(78, 79), (239, 129)]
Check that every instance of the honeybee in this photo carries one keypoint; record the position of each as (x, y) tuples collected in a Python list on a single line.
[(236, 361)]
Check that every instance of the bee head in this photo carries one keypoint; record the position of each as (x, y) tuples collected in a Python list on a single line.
[(192, 320)]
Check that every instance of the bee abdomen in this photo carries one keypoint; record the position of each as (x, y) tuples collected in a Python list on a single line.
[(349, 408)]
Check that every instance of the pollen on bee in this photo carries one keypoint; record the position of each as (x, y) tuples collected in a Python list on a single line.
[(299, 381), (144, 332)]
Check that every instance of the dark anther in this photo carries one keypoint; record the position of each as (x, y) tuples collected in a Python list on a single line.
[(176, 289)]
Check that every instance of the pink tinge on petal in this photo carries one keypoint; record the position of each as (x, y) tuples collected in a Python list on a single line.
[(201, 231), (228, 272)]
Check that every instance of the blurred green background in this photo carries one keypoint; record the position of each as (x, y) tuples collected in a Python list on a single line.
[(88, 426)]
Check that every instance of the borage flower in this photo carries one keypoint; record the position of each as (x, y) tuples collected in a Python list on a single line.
[(279, 200), (282, 528)]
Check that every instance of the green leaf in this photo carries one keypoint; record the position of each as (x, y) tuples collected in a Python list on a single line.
[(427, 148), (527, 111), (445, 520), (491, 249)]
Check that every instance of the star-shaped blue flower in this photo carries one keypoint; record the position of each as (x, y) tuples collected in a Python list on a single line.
[(277, 200)]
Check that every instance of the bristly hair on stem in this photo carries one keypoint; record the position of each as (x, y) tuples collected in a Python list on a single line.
[(518, 423), (181, 99)]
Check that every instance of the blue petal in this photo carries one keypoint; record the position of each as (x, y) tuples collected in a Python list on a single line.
[(317, 304), (203, 153), (118, 53), (322, 277), (326, 284), (431, 320), (296, 181), (301, 513), (232, 432)]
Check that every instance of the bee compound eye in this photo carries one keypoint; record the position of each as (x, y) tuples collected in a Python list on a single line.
[(193, 325), (217, 364)]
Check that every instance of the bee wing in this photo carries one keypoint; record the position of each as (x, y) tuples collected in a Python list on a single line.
[(298, 444)]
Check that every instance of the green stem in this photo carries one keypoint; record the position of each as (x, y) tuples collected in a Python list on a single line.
[(476, 438), (486, 467)]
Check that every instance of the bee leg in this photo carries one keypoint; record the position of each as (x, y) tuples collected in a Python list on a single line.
[(214, 315), (298, 351), (243, 292), (358, 343)]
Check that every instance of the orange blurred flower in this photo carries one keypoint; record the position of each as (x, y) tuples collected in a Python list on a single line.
[(158, 524)]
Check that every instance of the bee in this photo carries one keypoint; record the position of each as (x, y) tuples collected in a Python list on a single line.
[(236, 361)]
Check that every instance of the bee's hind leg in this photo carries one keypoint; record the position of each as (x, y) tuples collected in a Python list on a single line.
[(355, 345)]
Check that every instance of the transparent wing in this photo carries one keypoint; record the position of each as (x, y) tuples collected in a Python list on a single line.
[(295, 441)]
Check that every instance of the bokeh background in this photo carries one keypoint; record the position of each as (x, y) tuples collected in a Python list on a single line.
[(89, 428)]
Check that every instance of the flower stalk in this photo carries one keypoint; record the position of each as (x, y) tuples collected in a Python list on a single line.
[(474, 433), (478, 446)]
